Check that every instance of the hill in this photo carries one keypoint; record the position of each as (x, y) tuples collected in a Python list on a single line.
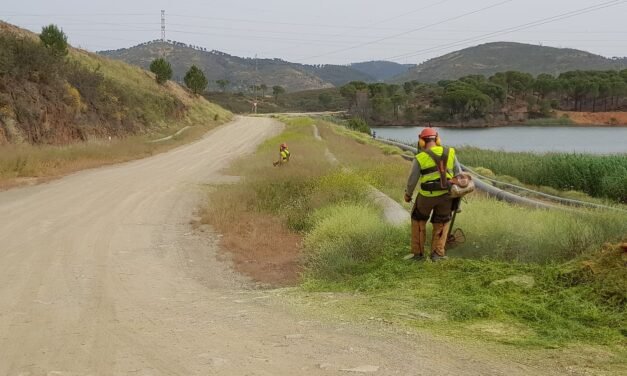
[(381, 70), (490, 58), (50, 99), (242, 73)]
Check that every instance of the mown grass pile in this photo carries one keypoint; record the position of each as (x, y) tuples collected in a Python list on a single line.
[(596, 175), (524, 277)]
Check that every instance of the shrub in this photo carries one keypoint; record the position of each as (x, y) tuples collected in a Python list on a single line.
[(55, 39), (195, 80), (162, 70), (358, 124)]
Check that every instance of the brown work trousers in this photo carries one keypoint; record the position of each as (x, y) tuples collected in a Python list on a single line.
[(439, 209)]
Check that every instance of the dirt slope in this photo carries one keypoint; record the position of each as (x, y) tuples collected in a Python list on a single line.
[(102, 274)]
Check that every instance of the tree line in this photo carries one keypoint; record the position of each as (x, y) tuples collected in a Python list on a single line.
[(480, 97)]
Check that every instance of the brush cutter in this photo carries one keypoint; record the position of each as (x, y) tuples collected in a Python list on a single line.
[(456, 236)]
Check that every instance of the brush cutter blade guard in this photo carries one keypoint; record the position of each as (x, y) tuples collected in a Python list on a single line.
[(456, 238)]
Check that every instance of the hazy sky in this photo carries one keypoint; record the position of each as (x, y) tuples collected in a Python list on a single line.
[(331, 31)]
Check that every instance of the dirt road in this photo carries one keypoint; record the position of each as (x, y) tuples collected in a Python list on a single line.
[(102, 274)]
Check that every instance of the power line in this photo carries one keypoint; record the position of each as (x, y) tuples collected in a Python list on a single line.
[(410, 31), (370, 26), (513, 29), (408, 13)]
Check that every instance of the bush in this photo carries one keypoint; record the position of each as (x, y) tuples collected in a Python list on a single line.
[(358, 124), (55, 39), (27, 59), (162, 70)]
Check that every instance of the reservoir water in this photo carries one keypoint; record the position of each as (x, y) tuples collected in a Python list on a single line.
[(538, 139)]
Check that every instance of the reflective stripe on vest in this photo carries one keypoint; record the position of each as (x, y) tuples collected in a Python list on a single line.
[(427, 164), (285, 154)]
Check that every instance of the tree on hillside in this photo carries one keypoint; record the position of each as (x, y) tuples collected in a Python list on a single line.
[(461, 98), (195, 80), (518, 83), (325, 100), (397, 100), (408, 87), (162, 70), (545, 85), (263, 88), (223, 84), (276, 91), (55, 39)]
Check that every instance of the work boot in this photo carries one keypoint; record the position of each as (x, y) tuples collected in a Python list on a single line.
[(418, 237), (417, 258), (438, 240), (435, 257)]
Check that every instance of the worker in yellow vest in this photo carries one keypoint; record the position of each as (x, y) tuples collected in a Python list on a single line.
[(284, 155), (433, 168)]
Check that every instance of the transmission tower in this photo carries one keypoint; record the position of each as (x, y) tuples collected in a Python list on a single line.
[(162, 25)]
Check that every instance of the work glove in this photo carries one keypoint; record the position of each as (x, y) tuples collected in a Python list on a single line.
[(407, 197)]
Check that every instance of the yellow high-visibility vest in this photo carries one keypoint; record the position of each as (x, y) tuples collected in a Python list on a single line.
[(285, 155), (429, 171)]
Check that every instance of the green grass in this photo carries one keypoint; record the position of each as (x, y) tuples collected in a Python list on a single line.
[(472, 299), (596, 175), (578, 291)]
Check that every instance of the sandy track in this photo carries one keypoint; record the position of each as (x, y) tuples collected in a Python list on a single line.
[(101, 274)]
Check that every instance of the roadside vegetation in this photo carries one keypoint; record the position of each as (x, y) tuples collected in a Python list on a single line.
[(524, 277), (597, 175), (63, 109)]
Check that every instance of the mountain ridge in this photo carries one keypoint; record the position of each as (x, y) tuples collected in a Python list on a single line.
[(489, 58), (245, 72)]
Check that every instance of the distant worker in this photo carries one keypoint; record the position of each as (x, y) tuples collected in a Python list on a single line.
[(284, 155), (434, 167)]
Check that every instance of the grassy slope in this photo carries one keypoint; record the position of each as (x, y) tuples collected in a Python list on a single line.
[(573, 300), (24, 163)]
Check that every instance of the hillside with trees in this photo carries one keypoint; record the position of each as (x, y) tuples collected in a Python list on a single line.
[(476, 100), (51, 93), (240, 74), (490, 58), (382, 70)]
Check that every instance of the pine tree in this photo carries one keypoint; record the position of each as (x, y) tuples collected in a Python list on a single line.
[(195, 80), (162, 70), (55, 39)]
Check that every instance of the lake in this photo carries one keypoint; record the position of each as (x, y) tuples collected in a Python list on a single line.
[(596, 140)]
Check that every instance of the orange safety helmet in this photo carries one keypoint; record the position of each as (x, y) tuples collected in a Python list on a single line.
[(428, 133)]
